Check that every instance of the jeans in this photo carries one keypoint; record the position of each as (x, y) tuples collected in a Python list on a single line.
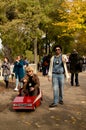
[(58, 85), (17, 82)]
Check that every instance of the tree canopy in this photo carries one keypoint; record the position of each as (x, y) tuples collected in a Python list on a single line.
[(62, 22)]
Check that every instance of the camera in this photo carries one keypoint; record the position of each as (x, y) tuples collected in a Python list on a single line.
[(57, 62)]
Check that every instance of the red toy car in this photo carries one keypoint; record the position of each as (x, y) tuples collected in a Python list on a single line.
[(27, 102)]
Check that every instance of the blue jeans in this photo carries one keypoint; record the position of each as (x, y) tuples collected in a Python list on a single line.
[(58, 85), (17, 82)]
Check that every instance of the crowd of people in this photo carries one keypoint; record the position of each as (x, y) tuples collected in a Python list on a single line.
[(56, 67)]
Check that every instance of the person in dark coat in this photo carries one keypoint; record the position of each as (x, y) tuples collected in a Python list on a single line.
[(6, 70), (19, 71), (75, 67), (45, 64)]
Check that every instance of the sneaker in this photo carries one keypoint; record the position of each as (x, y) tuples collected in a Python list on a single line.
[(53, 105), (61, 102), (16, 89)]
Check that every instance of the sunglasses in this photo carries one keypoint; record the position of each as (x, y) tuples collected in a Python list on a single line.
[(29, 70), (57, 49)]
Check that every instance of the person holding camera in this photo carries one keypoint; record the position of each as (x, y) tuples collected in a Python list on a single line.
[(31, 83), (19, 71)]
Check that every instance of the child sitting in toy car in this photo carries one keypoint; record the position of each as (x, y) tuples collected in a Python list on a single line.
[(30, 83)]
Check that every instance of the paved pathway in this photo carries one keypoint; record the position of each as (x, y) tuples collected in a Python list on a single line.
[(70, 116)]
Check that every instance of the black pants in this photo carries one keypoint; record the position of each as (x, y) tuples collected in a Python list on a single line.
[(74, 75), (6, 83), (26, 92)]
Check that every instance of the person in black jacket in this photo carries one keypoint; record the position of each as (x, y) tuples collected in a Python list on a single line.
[(75, 67)]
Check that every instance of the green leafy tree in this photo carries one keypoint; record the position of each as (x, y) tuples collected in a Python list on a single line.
[(24, 21), (22, 26)]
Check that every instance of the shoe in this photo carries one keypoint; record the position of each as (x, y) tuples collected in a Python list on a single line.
[(72, 84), (61, 102), (53, 105), (77, 85), (16, 89)]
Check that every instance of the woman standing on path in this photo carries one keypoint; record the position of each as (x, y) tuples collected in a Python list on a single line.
[(6, 71), (19, 72)]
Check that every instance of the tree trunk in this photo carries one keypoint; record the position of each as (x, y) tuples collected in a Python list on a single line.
[(35, 52)]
